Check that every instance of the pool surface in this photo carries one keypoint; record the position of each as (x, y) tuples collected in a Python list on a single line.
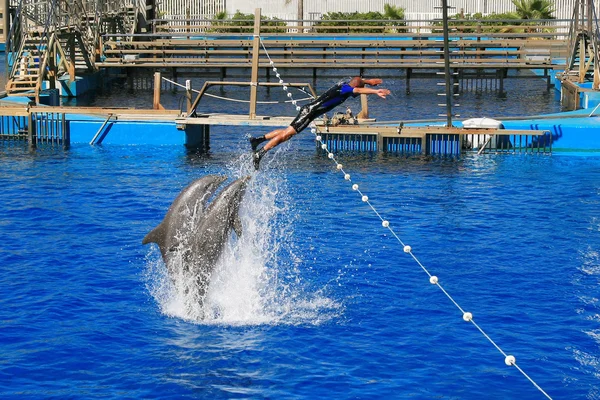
[(316, 300)]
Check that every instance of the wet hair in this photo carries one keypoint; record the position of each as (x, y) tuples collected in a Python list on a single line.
[(357, 82)]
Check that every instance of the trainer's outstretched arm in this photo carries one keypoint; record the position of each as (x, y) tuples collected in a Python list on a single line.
[(379, 92), (372, 81)]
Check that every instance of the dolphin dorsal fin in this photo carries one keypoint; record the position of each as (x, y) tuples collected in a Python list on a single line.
[(157, 235)]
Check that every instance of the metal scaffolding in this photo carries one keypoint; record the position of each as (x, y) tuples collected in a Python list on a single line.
[(584, 36)]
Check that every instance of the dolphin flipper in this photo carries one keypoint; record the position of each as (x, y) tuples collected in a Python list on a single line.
[(237, 225)]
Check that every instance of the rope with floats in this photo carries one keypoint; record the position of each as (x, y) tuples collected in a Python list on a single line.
[(509, 360), (235, 100)]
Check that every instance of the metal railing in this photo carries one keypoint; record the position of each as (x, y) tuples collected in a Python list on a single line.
[(543, 28), (37, 128), (48, 128), (14, 40)]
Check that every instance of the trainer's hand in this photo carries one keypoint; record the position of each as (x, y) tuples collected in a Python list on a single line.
[(383, 92)]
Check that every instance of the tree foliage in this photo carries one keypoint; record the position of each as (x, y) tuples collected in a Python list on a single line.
[(393, 12), (391, 17), (509, 22), (534, 9), (242, 23)]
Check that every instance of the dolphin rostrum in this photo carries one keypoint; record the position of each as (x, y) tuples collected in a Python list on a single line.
[(197, 232)]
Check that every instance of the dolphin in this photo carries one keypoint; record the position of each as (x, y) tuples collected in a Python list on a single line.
[(191, 202), (197, 231)]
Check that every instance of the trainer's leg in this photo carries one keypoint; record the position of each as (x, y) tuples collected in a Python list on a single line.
[(277, 136), (257, 140), (275, 133), (282, 135)]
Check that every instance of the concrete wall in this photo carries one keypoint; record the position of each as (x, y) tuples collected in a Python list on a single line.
[(83, 129)]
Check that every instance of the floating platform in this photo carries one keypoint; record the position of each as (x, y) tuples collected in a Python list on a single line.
[(572, 132)]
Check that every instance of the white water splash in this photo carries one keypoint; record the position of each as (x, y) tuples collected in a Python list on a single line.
[(259, 278)]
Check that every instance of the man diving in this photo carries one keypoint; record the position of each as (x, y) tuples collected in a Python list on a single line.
[(332, 98)]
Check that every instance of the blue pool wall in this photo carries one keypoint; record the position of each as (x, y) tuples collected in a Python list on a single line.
[(83, 129)]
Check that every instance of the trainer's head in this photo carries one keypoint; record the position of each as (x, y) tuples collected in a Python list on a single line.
[(357, 81)]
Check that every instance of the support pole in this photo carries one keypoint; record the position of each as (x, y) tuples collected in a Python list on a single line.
[(156, 101), (255, 54), (93, 141), (188, 95), (364, 103), (52, 66), (66, 132), (31, 136), (447, 64)]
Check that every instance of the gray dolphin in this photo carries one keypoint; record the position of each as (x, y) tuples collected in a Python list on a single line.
[(190, 203), (199, 236)]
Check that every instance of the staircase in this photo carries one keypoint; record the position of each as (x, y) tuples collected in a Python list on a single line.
[(122, 20), (74, 55), (50, 38), (584, 46), (26, 74)]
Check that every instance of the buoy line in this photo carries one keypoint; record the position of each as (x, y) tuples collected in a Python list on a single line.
[(509, 360), (236, 100)]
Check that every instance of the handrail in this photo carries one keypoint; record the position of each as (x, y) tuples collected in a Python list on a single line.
[(44, 64), (528, 27), (191, 18), (89, 32), (596, 46), (50, 23), (47, 38), (11, 40)]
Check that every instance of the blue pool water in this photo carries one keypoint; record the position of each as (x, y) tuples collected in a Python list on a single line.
[(318, 300)]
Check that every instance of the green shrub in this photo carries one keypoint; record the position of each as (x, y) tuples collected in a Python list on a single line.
[(350, 21), (242, 23)]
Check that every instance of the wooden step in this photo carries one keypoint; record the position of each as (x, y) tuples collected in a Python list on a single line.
[(21, 83), (29, 93), (25, 78), (19, 88)]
